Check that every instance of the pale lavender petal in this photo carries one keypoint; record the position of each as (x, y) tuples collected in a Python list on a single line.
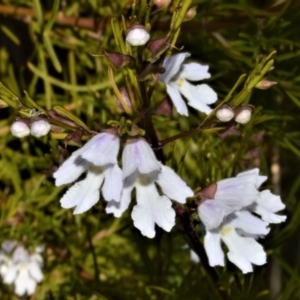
[(236, 192), (118, 208), (213, 212), (71, 169), (8, 245), (113, 183), (172, 66), (138, 155), (243, 251), (173, 92), (196, 97), (267, 205), (194, 72), (102, 149), (249, 223), (253, 176), (152, 209), (212, 245), (173, 186), (84, 194)]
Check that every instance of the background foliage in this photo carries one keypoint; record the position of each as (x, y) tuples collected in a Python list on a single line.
[(94, 256)]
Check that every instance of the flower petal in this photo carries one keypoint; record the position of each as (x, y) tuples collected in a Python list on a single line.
[(248, 223), (253, 175), (83, 194), (212, 245), (102, 149), (236, 192), (113, 183), (35, 271), (24, 283), (10, 274), (194, 72), (117, 208), (172, 66), (213, 212), (138, 155), (242, 250), (266, 206), (172, 185), (197, 97), (152, 208), (174, 94), (71, 169)]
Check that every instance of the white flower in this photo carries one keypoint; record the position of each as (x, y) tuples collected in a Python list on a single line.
[(236, 232), (99, 158), (24, 270), (40, 128), (177, 77), (137, 35), (19, 129), (141, 171), (225, 211), (231, 194)]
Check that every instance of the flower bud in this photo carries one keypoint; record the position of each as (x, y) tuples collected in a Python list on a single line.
[(265, 84), (243, 114), (126, 99), (161, 4), (19, 129), (225, 113), (40, 128), (137, 35), (190, 14), (117, 59)]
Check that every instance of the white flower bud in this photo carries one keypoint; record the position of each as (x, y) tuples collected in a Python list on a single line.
[(225, 113), (243, 116), (137, 35), (19, 129), (40, 128)]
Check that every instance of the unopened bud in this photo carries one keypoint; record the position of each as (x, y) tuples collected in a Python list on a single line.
[(265, 84), (126, 99), (225, 113), (158, 46), (117, 59), (243, 114), (137, 35), (163, 108), (19, 129), (161, 4), (40, 128), (190, 14)]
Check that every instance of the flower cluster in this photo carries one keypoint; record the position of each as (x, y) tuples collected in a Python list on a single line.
[(20, 267), (226, 211), (141, 171)]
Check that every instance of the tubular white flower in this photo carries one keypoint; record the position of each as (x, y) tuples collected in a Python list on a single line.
[(19, 129), (177, 77), (40, 128), (141, 171), (232, 194), (24, 271), (99, 157), (243, 251)]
